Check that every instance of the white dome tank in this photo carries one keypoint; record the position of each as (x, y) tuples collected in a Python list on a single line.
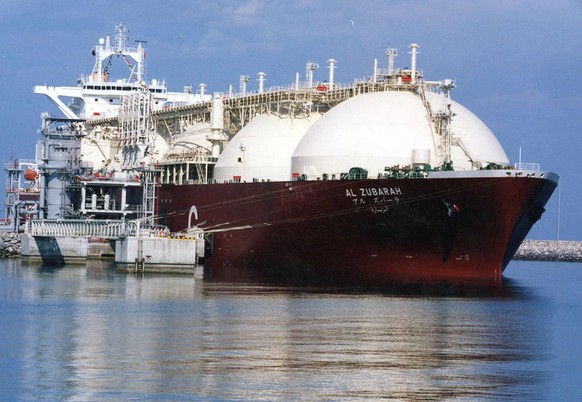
[(389, 128), (183, 144), (262, 149)]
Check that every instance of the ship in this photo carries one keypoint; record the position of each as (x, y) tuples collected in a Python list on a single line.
[(449, 227), (383, 180), (356, 198)]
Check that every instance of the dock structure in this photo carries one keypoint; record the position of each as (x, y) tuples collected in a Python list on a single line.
[(136, 247), (148, 253)]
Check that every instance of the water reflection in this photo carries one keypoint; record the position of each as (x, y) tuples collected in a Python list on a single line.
[(87, 332)]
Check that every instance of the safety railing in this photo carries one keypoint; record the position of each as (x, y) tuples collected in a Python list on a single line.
[(109, 229), (527, 166), (102, 229)]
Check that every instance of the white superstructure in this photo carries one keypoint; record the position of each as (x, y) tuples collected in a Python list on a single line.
[(99, 95)]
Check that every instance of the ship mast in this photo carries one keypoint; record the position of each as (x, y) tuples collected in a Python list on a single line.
[(134, 57), (391, 53)]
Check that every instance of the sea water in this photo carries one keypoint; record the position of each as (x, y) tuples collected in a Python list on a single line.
[(88, 333)]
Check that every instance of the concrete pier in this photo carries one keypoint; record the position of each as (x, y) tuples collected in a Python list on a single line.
[(65, 249), (136, 246), (151, 254)]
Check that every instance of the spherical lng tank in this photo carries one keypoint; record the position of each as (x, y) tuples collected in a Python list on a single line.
[(184, 144), (262, 149), (382, 129)]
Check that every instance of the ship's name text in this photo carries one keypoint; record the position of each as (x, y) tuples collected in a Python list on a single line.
[(372, 191)]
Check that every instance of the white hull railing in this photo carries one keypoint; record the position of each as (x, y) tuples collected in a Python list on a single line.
[(527, 166)]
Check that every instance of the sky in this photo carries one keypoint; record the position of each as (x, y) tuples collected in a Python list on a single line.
[(515, 62)]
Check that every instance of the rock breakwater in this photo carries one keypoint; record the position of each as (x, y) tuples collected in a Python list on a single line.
[(549, 250), (10, 244)]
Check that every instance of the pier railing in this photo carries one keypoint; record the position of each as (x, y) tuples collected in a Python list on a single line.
[(110, 229), (101, 229)]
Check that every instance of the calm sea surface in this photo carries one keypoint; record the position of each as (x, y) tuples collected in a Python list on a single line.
[(89, 333)]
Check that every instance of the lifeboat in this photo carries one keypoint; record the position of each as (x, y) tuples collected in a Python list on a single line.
[(30, 174)]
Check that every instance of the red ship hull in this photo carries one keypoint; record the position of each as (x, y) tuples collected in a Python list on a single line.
[(427, 230)]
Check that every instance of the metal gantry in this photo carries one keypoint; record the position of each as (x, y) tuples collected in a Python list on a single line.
[(137, 134)]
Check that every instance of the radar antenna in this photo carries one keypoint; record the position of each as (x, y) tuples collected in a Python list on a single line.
[(391, 53), (121, 32)]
